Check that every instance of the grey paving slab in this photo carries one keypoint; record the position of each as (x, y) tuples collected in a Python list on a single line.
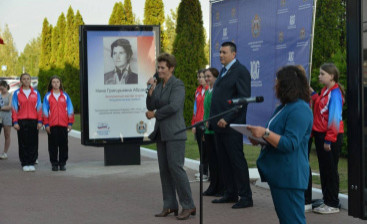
[(91, 193)]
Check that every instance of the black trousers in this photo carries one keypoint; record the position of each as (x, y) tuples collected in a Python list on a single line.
[(234, 165), (202, 149), (308, 192), (58, 145), (28, 141), (328, 164), (216, 177)]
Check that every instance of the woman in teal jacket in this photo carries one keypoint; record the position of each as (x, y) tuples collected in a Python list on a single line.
[(283, 161)]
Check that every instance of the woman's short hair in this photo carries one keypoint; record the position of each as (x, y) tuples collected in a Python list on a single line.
[(124, 44), (21, 76), (291, 85), (168, 58), (214, 71)]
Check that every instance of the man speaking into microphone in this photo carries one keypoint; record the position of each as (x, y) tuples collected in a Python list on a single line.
[(233, 82)]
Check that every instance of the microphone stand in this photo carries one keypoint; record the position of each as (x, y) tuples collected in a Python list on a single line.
[(201, 126)]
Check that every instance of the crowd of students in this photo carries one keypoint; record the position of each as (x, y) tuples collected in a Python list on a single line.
[(25, 112)]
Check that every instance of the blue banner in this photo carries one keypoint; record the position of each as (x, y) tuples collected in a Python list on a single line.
[(268, 35)]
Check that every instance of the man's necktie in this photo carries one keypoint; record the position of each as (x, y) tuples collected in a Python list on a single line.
[(223, 71)]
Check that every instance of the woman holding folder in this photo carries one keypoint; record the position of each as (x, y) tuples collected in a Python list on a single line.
[(283, 161)]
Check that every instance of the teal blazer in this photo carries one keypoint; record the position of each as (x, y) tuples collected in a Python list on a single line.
[(287, 165)]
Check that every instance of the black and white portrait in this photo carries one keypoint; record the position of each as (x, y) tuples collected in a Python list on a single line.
[(120, 63)]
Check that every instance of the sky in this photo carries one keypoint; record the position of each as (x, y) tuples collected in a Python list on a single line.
[(25, 17)]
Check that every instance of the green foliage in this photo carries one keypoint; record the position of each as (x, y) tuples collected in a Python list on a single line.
[(170, 31), (154, 15), (46, 47), (188, 48), (8, 53), (69, 33), (129, 16), (61, 26), (118, 14), (78, 21), (30, 56)]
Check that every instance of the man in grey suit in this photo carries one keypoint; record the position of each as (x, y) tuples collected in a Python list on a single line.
[(121, 54), (165, 103)]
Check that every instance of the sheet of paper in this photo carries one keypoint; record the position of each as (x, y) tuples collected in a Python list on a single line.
[(242, 128)]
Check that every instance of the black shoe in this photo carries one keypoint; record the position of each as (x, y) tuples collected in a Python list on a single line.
[(243, 204), (225, 200), (55, 168), (62, 168)]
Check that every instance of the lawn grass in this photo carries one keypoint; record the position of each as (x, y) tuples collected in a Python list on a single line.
[(251, 154)]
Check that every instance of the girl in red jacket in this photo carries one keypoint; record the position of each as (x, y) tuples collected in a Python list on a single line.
[(197, 117), (328, 129), (58, 117), (27, 120)]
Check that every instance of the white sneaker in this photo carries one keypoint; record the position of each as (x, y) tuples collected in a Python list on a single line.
[(3, 156), (197, 174), (25, 168), (308, 208), (324, 209), (31, 168)]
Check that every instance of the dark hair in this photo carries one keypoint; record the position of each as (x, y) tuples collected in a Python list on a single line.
[(333, 70), (4, 84), (49, 87), (168, 58), (291, 85), (231, 45), (214, 72), (200, 71), (124, 44)]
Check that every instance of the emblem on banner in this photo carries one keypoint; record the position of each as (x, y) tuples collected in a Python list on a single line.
[(217, 16), (233, 12), (217, 46), (103, 128), (280, 37), (255, 26), (255, 70), (292, 20), (225, 32), (141, 127), (282, 2), (302, 34), (291, 56)]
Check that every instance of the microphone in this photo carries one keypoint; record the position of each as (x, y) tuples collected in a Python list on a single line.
[(149, 85), (246, 100)]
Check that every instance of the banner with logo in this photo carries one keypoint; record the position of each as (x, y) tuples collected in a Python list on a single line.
[(268, 35)]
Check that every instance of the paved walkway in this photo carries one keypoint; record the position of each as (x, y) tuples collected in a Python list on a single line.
[(90, 193)]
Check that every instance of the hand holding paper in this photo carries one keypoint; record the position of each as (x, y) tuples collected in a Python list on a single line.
[(248, 131)]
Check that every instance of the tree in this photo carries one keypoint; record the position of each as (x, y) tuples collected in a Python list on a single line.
[(129, 16), (118, 15), (69, 34), (8, 53), (61, 27), (30, 56), (170, 24), (329, 35), (154, 15), (188, 48), (46, 49), (78, 21)]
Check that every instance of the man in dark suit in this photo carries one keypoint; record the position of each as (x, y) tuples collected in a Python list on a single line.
[(234, 81), (121, 54)]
